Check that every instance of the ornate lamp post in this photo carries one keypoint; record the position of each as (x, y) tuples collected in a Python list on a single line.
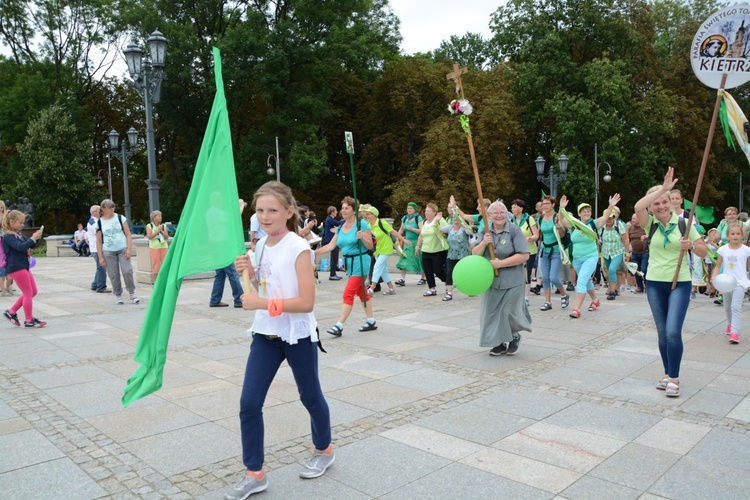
[(270, 170), (100, 181), (554, 178), (147, 74), (126, 152), (607, 177)]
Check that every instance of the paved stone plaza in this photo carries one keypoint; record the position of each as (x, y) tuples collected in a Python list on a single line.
[(419, 411)]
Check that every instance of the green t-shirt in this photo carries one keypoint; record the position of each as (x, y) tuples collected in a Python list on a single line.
[(663, 256), (385, 244)]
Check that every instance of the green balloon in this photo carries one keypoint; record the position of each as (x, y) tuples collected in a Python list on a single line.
[(473, 275)]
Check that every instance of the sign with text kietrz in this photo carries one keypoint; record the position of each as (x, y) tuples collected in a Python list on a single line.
[(722, 46)]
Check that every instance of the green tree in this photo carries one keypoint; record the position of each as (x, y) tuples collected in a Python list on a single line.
[(403, 104), (72, 35), (56, 177), (589, 73), (294, 57), (470, 50), (444, 164), (281, 64)]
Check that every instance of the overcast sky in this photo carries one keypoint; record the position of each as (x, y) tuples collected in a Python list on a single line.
[(425, 24)]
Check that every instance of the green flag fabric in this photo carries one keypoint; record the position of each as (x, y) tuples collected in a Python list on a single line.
[(209, 236), (579, 225), (705, 215)]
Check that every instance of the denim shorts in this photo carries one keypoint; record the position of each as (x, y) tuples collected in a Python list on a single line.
[(3, 272)]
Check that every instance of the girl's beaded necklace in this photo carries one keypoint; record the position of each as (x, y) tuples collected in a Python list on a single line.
[(259, 274)]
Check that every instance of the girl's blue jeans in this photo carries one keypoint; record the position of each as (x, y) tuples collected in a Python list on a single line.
[(266, 355)]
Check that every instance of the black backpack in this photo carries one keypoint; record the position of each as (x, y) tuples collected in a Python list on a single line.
[(681, 224), (99, 223), (99, 226)]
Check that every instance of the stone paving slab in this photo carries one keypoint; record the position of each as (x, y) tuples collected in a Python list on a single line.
[(535, 473), (461, 481), (690, 478), (592, 488), (636, 466), (55, 480), (145, 421), (562, 446), (25, 448), (166, 452), (377, 466), (486, 427), (418, 409)]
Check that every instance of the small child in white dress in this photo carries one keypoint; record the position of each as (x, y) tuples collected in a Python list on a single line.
[(733, 260)]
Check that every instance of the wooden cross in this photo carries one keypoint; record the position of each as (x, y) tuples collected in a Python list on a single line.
[(455, 75)]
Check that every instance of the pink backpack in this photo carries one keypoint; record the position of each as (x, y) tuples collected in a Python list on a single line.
[(3, 263)]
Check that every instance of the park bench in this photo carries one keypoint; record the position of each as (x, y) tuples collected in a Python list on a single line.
[(57, 246)]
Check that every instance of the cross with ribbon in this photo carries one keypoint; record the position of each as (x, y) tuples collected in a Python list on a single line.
[(464, 108)]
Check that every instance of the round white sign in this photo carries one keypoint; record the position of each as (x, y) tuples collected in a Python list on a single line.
[(722, 46)]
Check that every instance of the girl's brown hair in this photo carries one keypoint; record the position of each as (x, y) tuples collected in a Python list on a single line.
[(283, 193)]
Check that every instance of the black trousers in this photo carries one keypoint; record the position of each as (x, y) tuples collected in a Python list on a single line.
[(334, 260), (434, 265)]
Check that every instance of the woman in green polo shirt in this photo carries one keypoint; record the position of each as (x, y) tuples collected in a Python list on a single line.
[(433, 246), (668, 306)]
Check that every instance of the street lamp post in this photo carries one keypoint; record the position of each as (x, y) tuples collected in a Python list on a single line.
[(554, 178), (742, 196), (126, 152), (270, 170), (607, 177), (148, 74), (100, 182)]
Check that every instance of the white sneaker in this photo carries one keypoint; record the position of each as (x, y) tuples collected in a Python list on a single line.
[(119, 300), (317, 464), (135, 299)]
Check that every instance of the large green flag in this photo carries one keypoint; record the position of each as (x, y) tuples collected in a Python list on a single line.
[(209, 236)]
